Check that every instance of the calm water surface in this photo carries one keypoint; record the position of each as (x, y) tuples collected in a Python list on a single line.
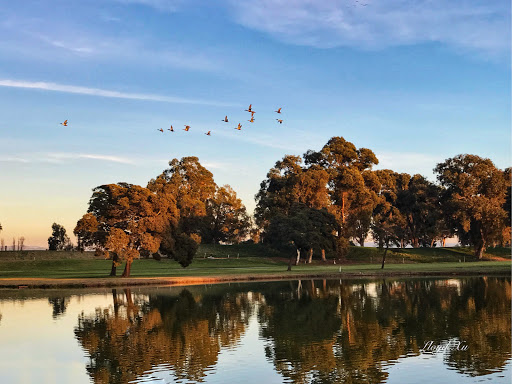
[(385, 331)]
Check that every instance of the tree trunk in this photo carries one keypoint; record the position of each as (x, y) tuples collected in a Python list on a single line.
[(310, 258), (361, 241), (444, 242), (298, 257), (479, 250), (384, 258), (323, 255), (127, 268), (343, 207), (114, 268), (432, 243)]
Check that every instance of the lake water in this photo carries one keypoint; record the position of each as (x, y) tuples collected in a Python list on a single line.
[(309, 331)]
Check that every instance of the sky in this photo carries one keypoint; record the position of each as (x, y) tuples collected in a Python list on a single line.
[(416, 81)]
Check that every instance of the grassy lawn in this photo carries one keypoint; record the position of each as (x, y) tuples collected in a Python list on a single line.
[(253, 259), (216, 263)]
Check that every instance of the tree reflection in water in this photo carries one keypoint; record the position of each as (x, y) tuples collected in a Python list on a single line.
[(314, 331)]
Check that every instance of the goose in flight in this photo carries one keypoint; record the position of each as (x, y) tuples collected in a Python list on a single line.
[(252, 113), (208, 133), (250, 108), (65, 123), (239, 126), (187, 127), (225, 119), (252, 119), (278, 110), (280, 121), (171, 129), (161, 130)]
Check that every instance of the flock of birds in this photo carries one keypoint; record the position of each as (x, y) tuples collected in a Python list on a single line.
[(209, 133), (226, 120)]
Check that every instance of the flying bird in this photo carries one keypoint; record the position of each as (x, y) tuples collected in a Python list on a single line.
[(278, 110), (161, 130), (280, 121), (239, 126), (171, 129), (65, 123), (225, 119), (252, 113), (250, 108), (252, 119), (208, 133), (187, 127)]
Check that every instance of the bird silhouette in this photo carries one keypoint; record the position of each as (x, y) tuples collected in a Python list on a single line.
[(278, 110), (280, 121), (171, 129), (65, 123), (252, 113), (239, 126), (252, 119), (250, 108), (161, 130), (225, 119), (208, 133), (187, 127)]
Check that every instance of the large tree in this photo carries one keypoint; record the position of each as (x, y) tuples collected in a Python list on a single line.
[(304, 230), (475, 192), (59, 240), (420, 205), (352, 197), (124, 220), (192, 185), (226, 218)]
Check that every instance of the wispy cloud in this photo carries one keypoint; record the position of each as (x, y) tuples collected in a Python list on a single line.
[(162, 5), (108, 93), (468, 24), (61, 157)]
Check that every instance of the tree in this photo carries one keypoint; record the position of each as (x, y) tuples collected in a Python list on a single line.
[(351, 195), (124, 220), (59, 240), (191, 185), (226, 218), (475, 192), (388, 224), (304, 230), (420, 205)]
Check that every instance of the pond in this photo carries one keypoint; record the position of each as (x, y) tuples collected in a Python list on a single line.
[(309, 331)]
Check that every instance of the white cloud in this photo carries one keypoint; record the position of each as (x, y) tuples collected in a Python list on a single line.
[(107, 93), (162, 5), (60, 157), (470, 24)]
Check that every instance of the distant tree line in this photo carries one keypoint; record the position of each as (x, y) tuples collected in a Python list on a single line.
[(328, 199), (177, 210)]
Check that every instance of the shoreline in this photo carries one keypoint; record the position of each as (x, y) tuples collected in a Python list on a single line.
[(49, 283)]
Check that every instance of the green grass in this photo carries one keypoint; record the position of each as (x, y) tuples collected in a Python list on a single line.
[(217, 267), (249, 259)]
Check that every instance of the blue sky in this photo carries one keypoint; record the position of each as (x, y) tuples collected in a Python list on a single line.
[(415, 81)]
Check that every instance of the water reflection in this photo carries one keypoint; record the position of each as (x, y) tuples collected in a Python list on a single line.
[(313, 331), (185, 332)]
